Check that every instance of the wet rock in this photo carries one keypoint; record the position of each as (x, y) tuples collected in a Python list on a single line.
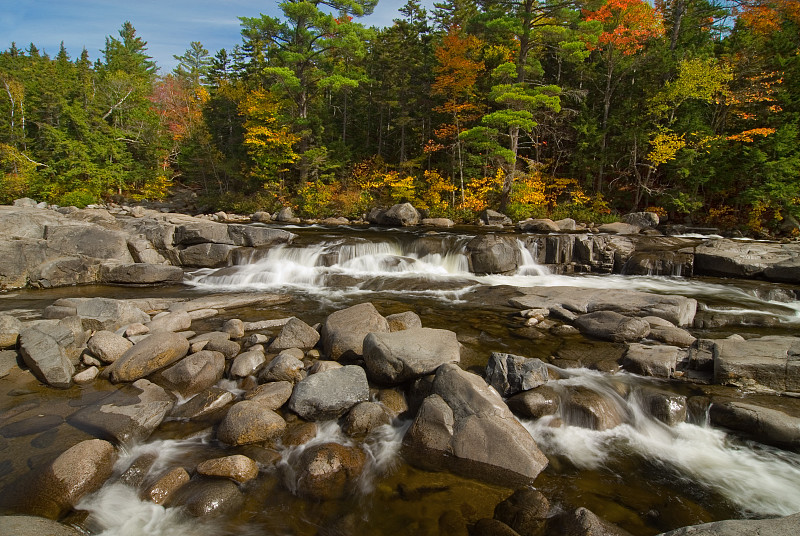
[(525, 511), (670, 263), (492, 254), (400, 356), (536, 403), (248, 363), (401, 321), (365, 417), (494, 218), (732, 258), (766, 425), (210, 497), (230, 301), (205, 255), (466, 428), (669, 408), (249, 421), (772, 362), (10, 328), (34, 526), (343, 331), (128, 415), (329, 471), (163, 489), (611, 326), (53, 489), (31, 425), (299, 433), (677, 309), (329, 394), (782, 526), (175, 321), (393, 400), (108, 346), (46, 358), (201, 232), (206, 404), (587, 408), (284, 367), (295, 334), (229, 349), (141, 274), (271, 395), (234, 327), (509, 374), (237, 467), (492, 527), (195, 373), (134, 476), (153, 353), (658, 361), (644, 220), (540, 225), (583, 522)]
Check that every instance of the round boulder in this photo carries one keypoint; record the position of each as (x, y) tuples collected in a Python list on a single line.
[(237, 467), (329, 471), (249, 421)]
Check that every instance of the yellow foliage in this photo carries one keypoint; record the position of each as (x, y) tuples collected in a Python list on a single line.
[(665, 145), (661, 211), (478, 195), (438, 188), (156, 189)]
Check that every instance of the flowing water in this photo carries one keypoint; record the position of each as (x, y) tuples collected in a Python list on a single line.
[(641, 473)]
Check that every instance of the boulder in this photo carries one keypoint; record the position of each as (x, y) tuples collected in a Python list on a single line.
[(234, 327), (35, 526), (286, 366), (174, 321), (566, 224), (205, 255), (195, 373), (285, 215), (587, 408), (53, 489), (295, 334), (536, 403), (397, 357), (237, 467), (201, 232), (732, 258), (667, 333), (612, 326), (492, 254), (766, 425), (141, 274), (127, 416), (249, 421), (526, 511), (659, 361), (466, 428), (210, 497), (406, 320), (494, 218), (365, 417), (782, 526), (669, 408), (86, 376), (509, 374), (247, 363), (108, 346), (18, 258), (230, 301), (105, 313), (164, 488), (329, 471), (401, 215), (151, 354), (542, 225), (64, 271), (257, 236), (343, 331), (205, 405), (10, 328), (271, 395), (772, 362), (620, 228), (329, 394), (229, 349), (89, 241), (46, 358), (583, 522), (669, 263), (438, 222), (644, 220), (8, 362)]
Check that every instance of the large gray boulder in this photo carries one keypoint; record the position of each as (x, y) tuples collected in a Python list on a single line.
[(286, 366), (400, 356), (644, 220), (173, 321), (343, 331), (52, 490), (465, 427), (772, 362), (782, 526), (64, 271), (46, 358), (620, 228), (329, 394), (141, 274), (494, 218), (492, 254), (89, 241), (401, 215), (108, 346), (127, 416), (204, 405), (659, 361), (105, 313), (733, 258), (295, 334), (612, 326), (541, 225), (509, 374), (151, 354), (201, 232), (253, 236), (195, 373), (205, 255), (767, 425)]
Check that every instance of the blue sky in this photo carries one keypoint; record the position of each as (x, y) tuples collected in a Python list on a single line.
[(168, 26)]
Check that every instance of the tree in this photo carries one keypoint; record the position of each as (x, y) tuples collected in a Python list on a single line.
[(194, 64)]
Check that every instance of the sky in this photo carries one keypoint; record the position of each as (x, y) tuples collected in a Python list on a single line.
[(168, 26)]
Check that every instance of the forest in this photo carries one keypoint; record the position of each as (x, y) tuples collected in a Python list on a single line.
[(537, 108)]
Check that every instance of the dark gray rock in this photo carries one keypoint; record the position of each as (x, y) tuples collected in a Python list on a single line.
[(542, 225), (364, 417), (509, 374), (173, 321), (667, 407), (492, 254), (666, 332), (206, 255), (400, 356), (8, 362), (343, 331), (645, 220), (201, 232), (254, 236), (128, 415), (772, 362), (400, 215), (670, 263), (229, 349), (248, 363), (766, 425), (733, 258), (329, 394), (141, 274), (195, 373), (329, 471), (210, 497), (612, 326), (658, 361), (271, 395), (89, 241), (466, 428), (295, 334), (286, 366), (620, 228), (105, 313), (536, 403), (46, 358), (285, 215), (583, 522), (151, 354), (587, 408), (64, 271), (526, 511), (494, 218), (204, 405)]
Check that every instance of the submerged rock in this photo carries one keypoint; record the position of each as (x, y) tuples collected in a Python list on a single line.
[(329, 471)]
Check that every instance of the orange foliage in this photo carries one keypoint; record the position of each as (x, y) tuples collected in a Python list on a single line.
[(765, 17), (629, 24), (748, 135)]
